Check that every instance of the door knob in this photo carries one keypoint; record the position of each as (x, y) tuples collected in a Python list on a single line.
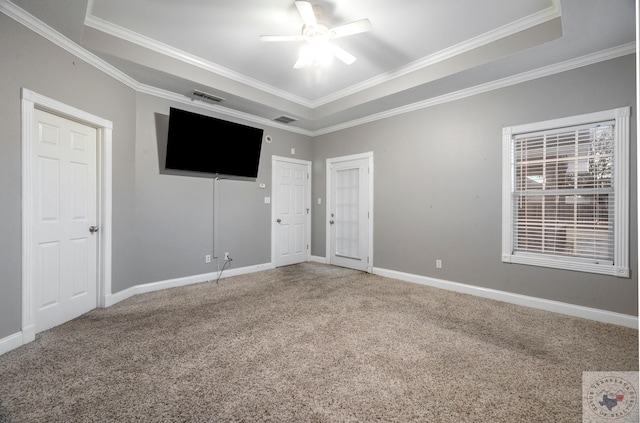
[(278, 220), (331, 222), (93, 229)]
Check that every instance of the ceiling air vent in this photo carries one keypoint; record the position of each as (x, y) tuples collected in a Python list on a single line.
[(207, 97), (285, 119)]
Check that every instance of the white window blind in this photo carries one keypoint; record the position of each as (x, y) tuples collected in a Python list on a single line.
[(566, 195), (563, 191)]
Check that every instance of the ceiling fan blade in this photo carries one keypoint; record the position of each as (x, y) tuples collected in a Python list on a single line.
[(356, 27), (342, 54), (282, 38), (306, 11)]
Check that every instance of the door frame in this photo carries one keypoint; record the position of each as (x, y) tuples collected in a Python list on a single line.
[(369, 156), (31, 101), (307, 163)]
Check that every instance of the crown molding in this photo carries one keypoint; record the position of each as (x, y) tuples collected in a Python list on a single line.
[(39, 27), (44, 30), (512, 28), (522, 24), (164, 49), (29, 21), (612, 53), (180, 98)]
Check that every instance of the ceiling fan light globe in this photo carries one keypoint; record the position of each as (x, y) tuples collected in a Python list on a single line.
[(319, 51), (305, 51), (323, 54), (315, 53), (323, 60)]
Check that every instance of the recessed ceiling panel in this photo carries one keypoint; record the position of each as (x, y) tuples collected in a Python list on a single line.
[(227, 33)]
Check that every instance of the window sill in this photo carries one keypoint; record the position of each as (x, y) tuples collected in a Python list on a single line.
[(575, 264)]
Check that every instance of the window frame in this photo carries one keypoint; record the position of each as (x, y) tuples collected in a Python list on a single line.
[(620, 265)]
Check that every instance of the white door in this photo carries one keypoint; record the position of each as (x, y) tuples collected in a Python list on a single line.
[(350, 211), (291, 210), (64, 212)]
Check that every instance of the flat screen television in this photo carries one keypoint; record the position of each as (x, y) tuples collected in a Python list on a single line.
[(211, 147)]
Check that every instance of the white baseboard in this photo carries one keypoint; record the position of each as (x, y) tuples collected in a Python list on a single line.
[(523, 300), (318, 259), (10, 342), (177, 282), (27, 335), (248, 269), (18, 339)]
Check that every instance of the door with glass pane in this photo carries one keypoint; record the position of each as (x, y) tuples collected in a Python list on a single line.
[(350, 211)]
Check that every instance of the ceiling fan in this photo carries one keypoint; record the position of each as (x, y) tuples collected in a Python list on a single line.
[(318, 48)]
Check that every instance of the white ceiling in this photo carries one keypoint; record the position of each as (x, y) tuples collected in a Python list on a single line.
[(417, 50)]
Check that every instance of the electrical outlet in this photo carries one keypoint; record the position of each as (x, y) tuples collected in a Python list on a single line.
[(438, 264), (226, 256), (207, 258)]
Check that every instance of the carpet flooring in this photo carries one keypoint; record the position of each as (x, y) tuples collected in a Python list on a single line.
[(310, 343)]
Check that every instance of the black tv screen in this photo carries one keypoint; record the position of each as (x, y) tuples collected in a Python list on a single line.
[(206, 145)]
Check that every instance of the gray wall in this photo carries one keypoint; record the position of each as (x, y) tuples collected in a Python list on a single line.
[(30, 61), (438, 185), (437, 181), (174, 214), (162, 224)]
